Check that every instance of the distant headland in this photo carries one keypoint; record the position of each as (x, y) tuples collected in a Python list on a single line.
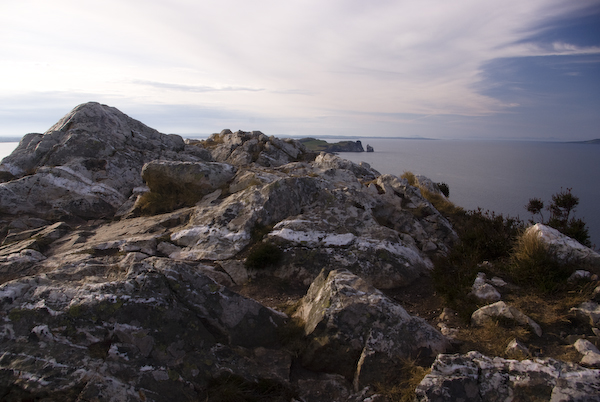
[(317, 145)]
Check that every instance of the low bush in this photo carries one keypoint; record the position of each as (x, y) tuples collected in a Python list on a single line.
[(263, 255), (563, 204), (484, 236), (444, 189)]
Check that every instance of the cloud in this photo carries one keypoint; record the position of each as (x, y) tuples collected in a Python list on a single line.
[(193, 88), (273, 61)]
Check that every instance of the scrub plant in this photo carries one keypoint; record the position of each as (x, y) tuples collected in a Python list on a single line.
[(562, 205)]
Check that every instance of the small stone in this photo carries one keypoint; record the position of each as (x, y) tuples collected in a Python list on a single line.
[(591, 354), (499, 309), (516, 349), (578, 275)]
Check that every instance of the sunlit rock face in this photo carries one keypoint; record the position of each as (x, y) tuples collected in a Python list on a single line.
[(86, 165), (139, 306)]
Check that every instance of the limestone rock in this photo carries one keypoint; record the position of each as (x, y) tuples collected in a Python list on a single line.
[(200, 177), (358, 332), (157, 327), (591, 355), (86, 165), (475, 377), (517, 349), (500, 309), (588, 312), (242, 148), (483, 290), (566, 248)]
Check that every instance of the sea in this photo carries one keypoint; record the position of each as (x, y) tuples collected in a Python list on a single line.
[(496, 176)]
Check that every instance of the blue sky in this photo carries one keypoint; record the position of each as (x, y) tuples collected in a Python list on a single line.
[(463, 69)]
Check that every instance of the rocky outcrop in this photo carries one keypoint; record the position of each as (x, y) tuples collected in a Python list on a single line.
[(341, 146), (564, 247), (358, 332), (475, 377), (500, 310), (131, 331), (85, 166), (120, 246)]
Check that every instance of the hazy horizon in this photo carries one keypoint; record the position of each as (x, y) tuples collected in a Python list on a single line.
[(468, 69)]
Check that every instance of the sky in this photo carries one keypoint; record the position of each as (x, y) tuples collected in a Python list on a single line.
[(471, 69)]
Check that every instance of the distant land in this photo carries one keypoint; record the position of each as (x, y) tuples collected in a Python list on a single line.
[(317, 145), (596, 141)]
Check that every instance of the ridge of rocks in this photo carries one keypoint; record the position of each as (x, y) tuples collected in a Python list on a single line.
[(121, 247)]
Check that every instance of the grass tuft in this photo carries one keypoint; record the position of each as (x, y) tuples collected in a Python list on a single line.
[(534, 263)]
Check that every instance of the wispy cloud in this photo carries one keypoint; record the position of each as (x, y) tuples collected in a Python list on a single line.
[(347, 59), (193, 88)]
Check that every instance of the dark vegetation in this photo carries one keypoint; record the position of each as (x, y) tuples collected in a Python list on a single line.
[(563, 204), (499, 246)]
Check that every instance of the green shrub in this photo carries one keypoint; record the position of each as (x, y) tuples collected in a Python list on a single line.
[(484, 236), (563, 204), (263, 255), (444, 189)]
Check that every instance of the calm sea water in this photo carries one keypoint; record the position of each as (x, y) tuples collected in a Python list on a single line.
[(493, 175), (497, 176), (6, 148)]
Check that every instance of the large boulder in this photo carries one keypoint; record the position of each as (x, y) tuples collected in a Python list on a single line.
[(564, 247), (358, 332), (86, 165), (152, 330), (243, 148), (477, 378)]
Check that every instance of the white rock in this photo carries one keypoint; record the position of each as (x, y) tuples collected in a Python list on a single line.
[(591, 354), (490, 312)]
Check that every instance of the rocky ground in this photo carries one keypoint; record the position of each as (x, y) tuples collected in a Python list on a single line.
[(138, 266)]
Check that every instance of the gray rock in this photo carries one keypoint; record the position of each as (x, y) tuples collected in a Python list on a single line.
[(200, 177), (242, 148), (86, 165), (358, 332), (483, 290), (565, 248), (156, 329), (475, 377), (587, 312), (491, 312), (591, 355)]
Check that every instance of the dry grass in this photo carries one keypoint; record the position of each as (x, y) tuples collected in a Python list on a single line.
[(403, 389), (534, 264), (410, 177), (492, 339)]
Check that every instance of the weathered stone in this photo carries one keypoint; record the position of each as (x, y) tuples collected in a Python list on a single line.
[(588, 312), (517, 349), (564, 247), (591, 355), (483, 290), (85, 166), (475, 377), (491, 312), (200, 177), (358, 332), (236, 270), (159, 326)]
